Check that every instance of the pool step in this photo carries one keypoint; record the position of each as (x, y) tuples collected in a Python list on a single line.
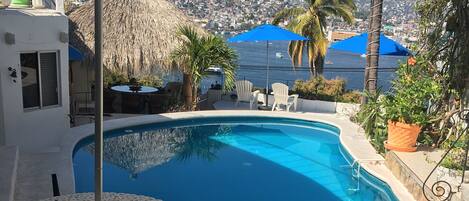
[(9, 156)]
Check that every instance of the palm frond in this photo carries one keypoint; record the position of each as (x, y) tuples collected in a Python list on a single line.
[(342, 11), (286, 14), (311, 22), (317, 3), (197, 53)]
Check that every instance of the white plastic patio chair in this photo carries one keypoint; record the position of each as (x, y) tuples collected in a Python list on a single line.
[(245, 93), (281, 97)]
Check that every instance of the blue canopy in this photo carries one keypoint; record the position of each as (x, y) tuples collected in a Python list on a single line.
[(357, 44), (266, 32), (74, 54)]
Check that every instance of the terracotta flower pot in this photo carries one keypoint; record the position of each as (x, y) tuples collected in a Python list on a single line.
[(402, 137)]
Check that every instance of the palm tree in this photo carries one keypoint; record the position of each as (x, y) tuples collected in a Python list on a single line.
[(371, 70), (311, 21), (196, 54)]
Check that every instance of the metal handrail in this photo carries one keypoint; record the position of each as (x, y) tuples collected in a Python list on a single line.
[(356, 174), (441, 189)]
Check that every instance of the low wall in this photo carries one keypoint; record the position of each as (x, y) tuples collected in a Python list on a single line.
[(305, 105)]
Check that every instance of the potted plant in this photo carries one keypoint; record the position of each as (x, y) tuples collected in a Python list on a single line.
[(134, 85), (417, 85)]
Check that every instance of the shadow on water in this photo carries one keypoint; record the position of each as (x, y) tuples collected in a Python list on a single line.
[(137, 152), (199, 144)]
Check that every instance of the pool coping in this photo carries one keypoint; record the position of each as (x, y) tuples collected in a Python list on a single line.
[(351, 137)]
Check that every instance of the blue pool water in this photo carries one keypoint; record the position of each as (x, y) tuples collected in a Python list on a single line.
[(228, 159)]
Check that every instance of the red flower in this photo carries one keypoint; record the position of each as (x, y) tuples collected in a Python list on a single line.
[(411, 61)]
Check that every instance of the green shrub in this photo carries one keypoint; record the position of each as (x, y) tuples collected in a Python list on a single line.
[(416, 86), (350, 97), (112, 78), (319, 88), (455, 159), (150, 80), (372, 118)]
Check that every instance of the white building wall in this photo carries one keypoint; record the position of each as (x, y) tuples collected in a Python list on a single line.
[(34, 30), (2, 128)]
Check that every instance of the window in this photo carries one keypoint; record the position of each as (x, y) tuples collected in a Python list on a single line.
[(39, 77)]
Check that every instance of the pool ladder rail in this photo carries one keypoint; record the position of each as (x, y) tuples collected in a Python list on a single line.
[(356, 171)]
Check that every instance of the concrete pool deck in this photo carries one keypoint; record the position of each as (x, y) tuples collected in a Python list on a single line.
[(352, 138)]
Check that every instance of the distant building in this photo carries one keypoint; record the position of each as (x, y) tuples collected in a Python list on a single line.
[(334, 36)]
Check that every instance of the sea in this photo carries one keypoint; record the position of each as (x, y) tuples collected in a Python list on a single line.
[(339, 64)]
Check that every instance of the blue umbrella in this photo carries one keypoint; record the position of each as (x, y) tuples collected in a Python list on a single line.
[(74, 54), (357, 44), (266, 33)]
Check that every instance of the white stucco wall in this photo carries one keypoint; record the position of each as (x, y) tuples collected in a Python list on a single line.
[(34, 30), (2, 129)]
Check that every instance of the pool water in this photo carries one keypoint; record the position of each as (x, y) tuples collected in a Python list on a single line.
[(228, 159)]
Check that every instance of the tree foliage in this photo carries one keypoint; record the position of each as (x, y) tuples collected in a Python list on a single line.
[(444, 41), (198, 53), (444, 35), (311, 22)]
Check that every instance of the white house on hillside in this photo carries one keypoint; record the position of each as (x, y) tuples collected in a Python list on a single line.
[(34, 89)]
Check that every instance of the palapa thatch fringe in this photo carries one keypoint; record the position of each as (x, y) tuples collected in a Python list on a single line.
[(138, 35)]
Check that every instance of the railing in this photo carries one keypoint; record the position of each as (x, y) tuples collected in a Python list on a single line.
[(356, 172), (441, 189)]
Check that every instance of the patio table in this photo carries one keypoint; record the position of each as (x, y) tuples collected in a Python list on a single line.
[(134, 102), (126, 89)]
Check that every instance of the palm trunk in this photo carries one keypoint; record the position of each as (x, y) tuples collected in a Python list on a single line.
[(195, 94), (371, 82), (313, 69), (367, 64), (187, 90), (319, 64)]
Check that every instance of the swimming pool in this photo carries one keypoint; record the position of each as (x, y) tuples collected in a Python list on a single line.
[(228, 158)]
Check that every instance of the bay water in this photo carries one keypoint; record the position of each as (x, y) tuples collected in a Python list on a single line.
[(348, 66)]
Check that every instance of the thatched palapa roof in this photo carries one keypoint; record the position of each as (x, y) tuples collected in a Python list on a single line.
[(138, 35)]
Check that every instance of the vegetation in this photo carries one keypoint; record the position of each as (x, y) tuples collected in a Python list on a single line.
[(112, 78), (373, 120), (198, 53), (417, 87), (431, 89), (311, 22), (320, 88)]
